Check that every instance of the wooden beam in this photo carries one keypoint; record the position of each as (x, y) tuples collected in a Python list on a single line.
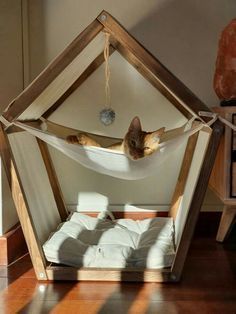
[(22, 207), (168, 82), (23, 101), (58, 196), (183, 175), (197, 200), (90, 69), (148, 75), (226, 222), (15, 129), (108, 274), (130, 215)]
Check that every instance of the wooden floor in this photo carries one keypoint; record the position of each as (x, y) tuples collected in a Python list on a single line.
[(208, 285)]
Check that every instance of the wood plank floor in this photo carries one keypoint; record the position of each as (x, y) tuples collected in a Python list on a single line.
[(208, 285)]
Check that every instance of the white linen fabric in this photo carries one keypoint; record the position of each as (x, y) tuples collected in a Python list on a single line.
[(115, 163), (84, 241)]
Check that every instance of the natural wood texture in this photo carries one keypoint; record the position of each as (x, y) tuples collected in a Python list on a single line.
[(83, 77), (233, 178), (223, 110), (3, 251), (197, 200), (12, 245), (14, 129), (183, 175), (21, 205), (226, 222), (208, 286), (223, 177), (218, 181), (108, 274), (22, 102), (168, 83), (145, 72), (131, 215), (220, 176), (233, 161), (56, 189)]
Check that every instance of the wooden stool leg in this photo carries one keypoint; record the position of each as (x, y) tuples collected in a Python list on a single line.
[(226, 222)]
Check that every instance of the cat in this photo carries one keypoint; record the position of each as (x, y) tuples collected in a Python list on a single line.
[(136, 143)]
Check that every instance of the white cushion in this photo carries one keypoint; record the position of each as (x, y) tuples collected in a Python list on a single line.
[(84, 241)]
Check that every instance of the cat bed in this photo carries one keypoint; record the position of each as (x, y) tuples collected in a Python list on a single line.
[(34, 195), (84, 241)]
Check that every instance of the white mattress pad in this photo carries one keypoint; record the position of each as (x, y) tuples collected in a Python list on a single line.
[(84, 241)]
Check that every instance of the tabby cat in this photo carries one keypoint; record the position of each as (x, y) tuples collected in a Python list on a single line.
[(136, 143)]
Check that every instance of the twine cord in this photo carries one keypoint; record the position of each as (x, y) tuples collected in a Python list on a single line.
[(107, 70)]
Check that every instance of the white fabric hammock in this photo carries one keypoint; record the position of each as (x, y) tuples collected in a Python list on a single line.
[(110, 162)]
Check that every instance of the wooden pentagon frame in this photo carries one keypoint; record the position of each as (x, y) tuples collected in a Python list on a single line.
[(179, 95)]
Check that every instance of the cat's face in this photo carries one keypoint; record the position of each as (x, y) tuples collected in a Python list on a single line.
[(138, 143)]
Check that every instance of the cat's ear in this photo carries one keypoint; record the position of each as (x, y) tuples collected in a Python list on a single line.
[(135, 125), (156, 135), (161, 131)]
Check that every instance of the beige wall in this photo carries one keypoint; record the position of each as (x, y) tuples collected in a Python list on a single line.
[(11, 84), (182, 34), (11, 74)]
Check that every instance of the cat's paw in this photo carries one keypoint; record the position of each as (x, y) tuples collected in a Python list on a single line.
[(83, 139), (72, 139), (80, 139)]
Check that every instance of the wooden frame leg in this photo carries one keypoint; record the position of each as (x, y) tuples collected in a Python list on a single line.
[(197, 200), (226, 222), (22, 207)]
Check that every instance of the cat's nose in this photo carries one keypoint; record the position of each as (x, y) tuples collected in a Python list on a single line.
[(137, 156)]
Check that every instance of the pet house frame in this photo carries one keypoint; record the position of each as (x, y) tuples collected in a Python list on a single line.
[(44, 88)]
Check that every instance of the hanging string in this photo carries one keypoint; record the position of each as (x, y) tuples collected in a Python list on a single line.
[(107, 70), (107, 115)]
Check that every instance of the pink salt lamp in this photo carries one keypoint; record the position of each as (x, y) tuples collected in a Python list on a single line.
[(225, 71)]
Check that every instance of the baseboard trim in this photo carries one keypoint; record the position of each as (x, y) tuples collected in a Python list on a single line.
[(12, 245)]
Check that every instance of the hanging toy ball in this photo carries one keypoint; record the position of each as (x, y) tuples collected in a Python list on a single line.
[(107, 116)]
